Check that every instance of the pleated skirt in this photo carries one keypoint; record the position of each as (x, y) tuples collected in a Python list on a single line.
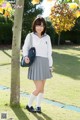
[(39, 70)]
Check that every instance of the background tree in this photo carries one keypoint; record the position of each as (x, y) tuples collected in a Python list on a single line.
[(62, 18), (1, 1), (68, 1), (15, 64)]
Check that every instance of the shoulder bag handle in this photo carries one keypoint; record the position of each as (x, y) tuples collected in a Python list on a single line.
[(31, 41)]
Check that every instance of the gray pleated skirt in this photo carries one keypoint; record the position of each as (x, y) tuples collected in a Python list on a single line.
[(39, 70)]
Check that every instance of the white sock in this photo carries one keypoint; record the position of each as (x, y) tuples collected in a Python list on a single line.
[(32, 98), (39, 99)]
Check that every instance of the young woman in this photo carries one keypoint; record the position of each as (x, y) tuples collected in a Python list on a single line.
[(40, 70)]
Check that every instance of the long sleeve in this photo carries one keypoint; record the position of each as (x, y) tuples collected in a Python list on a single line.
[(49, 50), (26, 45)]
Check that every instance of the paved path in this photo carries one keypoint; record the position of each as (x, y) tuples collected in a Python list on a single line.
[(54, 103)]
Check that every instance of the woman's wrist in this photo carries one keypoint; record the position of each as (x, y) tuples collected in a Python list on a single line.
[(51, 68)]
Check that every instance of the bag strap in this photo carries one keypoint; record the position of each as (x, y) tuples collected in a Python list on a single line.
[(31, 41)]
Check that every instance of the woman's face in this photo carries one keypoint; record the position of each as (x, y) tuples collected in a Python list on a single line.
[(39, 28)]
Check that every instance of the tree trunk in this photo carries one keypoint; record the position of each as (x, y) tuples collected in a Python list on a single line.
[(59, 39), (15, 62)]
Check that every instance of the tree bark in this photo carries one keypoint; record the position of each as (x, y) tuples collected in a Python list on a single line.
[(59, 39), (15, 61)]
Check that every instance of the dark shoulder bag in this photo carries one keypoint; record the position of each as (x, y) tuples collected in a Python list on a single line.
[(31, 55)]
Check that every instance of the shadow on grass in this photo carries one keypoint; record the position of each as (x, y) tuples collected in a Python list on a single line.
[(22, 116), (66, 47), (6, 53), (5, 64), (19, 113), (46, 116), (39, 116), (67, 65)]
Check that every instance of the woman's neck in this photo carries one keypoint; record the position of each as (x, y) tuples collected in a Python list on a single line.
[(39, 35)]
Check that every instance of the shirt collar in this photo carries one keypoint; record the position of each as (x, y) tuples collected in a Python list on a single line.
[(42, 35)]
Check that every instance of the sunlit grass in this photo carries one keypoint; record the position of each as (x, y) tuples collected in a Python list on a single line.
[(49, 112), (64, 87)]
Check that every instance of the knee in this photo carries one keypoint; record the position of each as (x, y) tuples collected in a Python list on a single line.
[(40, 90)]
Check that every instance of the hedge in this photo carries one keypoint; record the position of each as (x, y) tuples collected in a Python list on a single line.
[(6, 33)]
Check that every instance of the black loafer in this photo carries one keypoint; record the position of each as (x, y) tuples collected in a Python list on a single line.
[(30, 109), (38, 109)]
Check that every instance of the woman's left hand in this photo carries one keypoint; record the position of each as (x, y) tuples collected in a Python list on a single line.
[(51, 69)]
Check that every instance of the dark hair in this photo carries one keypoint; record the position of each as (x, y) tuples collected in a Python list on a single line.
[(38, 21)]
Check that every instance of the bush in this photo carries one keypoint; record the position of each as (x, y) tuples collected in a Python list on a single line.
[(72, 36), (5, 30), (2, 19), (51, 32)]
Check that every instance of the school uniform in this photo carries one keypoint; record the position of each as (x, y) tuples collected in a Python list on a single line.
[(40, 69)]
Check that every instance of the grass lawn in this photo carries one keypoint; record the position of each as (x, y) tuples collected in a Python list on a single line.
[(64, 87)]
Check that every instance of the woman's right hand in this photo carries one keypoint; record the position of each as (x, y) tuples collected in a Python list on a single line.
[(27, 60)]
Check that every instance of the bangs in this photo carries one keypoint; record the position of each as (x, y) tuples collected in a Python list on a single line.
[(39, 22)]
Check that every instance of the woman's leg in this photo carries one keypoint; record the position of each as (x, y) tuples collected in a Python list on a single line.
[(40, 95), (39, 87), (31, 99)]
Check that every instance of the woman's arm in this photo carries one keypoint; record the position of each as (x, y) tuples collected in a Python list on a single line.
[(49, 51)]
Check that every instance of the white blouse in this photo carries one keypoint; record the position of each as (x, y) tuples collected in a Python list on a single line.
[(42, 45)]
